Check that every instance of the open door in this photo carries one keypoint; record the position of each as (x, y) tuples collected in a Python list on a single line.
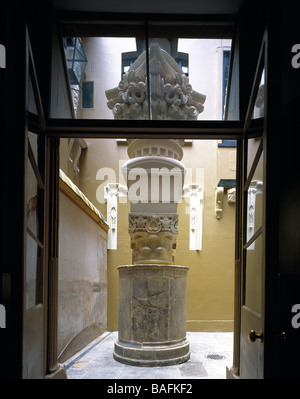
[(35, 273), (253, 232)]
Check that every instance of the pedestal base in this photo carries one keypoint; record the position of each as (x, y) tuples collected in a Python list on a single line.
[(152, 315), (150, 355)]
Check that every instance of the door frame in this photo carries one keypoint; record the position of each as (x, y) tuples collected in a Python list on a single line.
[(253, 350), (60, 128), (34, 318)]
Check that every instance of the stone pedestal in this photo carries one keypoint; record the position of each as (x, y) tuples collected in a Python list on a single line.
[(152, 315)]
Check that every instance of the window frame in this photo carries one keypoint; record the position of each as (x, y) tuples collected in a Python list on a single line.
[(210, 26)]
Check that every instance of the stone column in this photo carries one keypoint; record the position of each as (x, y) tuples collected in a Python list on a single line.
[(152, 290)]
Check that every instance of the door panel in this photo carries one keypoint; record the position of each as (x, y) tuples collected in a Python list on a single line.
[(252, 278), (34, 343), (253, 233), (33, 339), (34, 237), (251, 353)]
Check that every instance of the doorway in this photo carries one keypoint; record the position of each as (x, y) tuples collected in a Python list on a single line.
[(210, 177)]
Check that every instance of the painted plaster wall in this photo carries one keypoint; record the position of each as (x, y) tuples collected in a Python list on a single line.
[(82, 292)]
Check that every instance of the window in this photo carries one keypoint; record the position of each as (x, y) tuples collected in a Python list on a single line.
[(75, 58), (87, 94), (153, 70)]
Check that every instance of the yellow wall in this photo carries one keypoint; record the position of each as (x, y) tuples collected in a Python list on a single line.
[(210, 278)]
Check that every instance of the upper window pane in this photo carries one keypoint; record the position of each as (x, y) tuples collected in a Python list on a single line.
[(181, 74), (259, 105)]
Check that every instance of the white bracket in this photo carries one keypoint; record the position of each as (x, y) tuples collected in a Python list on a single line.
[(111, 193), (195, 193), (255, 188), (79, 145), (219, 202)]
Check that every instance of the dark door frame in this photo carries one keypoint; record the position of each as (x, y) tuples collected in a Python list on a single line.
[(228, 129)]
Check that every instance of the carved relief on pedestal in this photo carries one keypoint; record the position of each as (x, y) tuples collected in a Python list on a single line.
[(171, 94), (153, 237)]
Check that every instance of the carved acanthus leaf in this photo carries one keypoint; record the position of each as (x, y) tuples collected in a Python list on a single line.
[(172, 96)]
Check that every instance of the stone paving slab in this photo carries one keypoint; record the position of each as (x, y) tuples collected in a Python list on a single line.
[(210, 354)]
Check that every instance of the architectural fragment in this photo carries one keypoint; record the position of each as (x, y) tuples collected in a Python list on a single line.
[(152, 315), (231, 195), (171, 94), (152, 291), (78, 145), (195, 193), (219, 202), (153, 237), (256, 187), (111, 193)]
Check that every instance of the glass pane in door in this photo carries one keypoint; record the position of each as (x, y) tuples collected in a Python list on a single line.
[(254, 263), (33, 262), (255, 201), (259, 105), (253, 145), (32, 201)]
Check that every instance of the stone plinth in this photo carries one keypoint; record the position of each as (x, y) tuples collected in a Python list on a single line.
[(152, 315)]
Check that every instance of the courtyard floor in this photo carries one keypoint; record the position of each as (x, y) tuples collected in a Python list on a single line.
[(211, 352)]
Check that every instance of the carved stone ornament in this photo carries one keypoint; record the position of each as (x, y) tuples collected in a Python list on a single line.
[(219, 202), (231, 195), (153, 223), (172, 96), (195, 193), (256, 188), (112, 192), (153, 238)]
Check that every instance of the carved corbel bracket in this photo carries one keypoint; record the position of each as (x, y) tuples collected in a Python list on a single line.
[(111, 193), (79, 145), (219, 193), (255, 188), (195, 193)]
